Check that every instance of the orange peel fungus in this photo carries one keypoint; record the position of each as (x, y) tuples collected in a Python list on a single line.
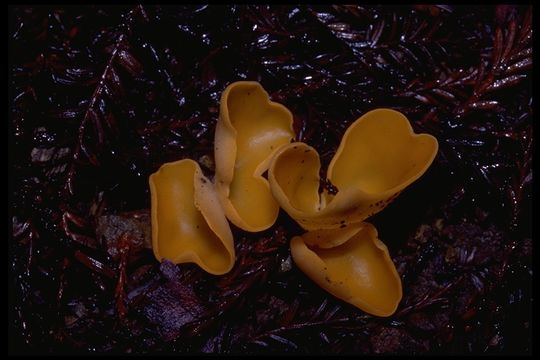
[(358, 271), (188, 223), (379, 156), (250, 129)]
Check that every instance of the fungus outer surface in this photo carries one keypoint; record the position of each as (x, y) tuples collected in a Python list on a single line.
[(358, 271), (188, 224), (378, 157), (250, 130)]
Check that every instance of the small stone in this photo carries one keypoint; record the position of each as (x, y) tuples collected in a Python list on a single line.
[(286, 264)]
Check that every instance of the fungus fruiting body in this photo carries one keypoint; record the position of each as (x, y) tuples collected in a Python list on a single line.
[(250, 129), (378, 157), (188, 223), (358, 270)]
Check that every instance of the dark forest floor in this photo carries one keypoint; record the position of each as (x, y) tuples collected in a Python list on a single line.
[(100, 97)]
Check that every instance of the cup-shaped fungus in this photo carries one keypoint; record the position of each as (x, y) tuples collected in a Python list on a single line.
[(378, 157), (188, 223), (250, 130), (359, 270)]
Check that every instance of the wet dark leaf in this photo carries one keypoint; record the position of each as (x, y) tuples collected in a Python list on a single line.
[(130, 63)]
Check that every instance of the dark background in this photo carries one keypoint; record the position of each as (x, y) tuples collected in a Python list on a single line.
[(101, 96)]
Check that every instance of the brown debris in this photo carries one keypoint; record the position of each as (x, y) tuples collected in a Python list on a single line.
[(172, 305), (111, 228)]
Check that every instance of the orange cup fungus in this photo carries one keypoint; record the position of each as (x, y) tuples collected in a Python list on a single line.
[(359, 270), (378, 157), (250, 129), (188, 224)]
